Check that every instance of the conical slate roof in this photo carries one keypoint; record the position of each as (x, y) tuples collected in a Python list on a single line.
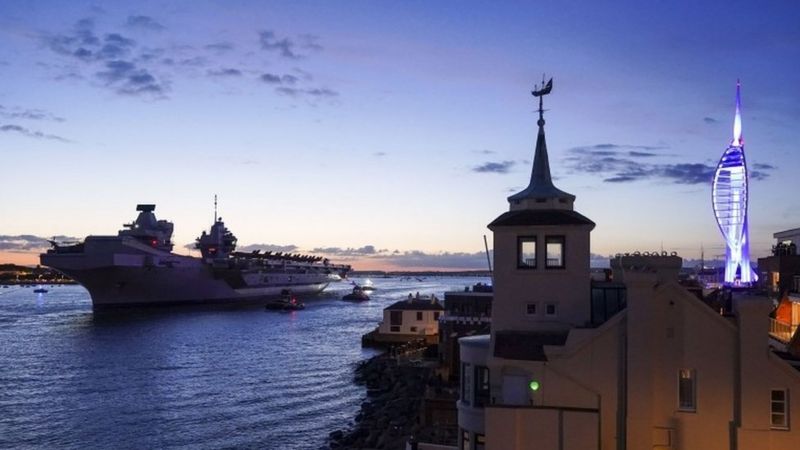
[(541, 185)]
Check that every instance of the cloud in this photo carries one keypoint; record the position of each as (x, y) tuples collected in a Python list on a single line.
[(144, 23), (309, 42), (696, 173), (620, 164), (126, 78), (710, 120), (219, 47), (28, 114), (379, 154), (112, 57), (494, 167), (763, 166), (269, 41), (338, 251), (24, 243), (225, 72), (322, 92), (270, 78), (485, 152), (10, 128), (316, 93)]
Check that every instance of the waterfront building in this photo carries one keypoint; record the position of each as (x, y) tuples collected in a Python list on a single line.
[(730, 197), (408, 320), (634, 362)]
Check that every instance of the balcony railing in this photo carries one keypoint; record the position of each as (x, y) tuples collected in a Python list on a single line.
[(781, 331)]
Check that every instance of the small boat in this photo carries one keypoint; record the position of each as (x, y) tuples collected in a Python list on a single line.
[(287, 302), (368, 286), (358, 295), (40, 290)]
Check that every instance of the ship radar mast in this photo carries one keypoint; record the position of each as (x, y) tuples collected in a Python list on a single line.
[(219, 242)]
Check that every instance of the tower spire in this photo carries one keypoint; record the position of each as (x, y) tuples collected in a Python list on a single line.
[(737, 118), (541, 188), (215, 208)]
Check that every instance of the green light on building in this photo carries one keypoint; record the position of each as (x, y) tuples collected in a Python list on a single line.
[(534, 385)]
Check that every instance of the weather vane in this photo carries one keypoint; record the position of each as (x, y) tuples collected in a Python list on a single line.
[(546, 88)]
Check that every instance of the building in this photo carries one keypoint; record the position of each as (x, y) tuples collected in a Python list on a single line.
[(634, 363), (466, 313), (780, 273), (408, 320), (730, 196)]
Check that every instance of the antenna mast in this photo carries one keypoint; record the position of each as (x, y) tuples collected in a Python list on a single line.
[(215, 208)]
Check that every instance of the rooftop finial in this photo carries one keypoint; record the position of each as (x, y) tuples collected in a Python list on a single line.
[(737, 119), (546, 88), (215, 208)]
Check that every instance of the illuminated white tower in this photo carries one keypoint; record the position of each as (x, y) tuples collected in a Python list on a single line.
[(729, 196)]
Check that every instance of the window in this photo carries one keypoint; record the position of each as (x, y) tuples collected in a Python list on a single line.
[(395, 317), (779, 409), (419, 315), (436, 315), (480, 442), (465, 440), (555, 252), (686, 390), (413, 329), (481, 386), (531, 309), (466, 382), (550, 309), (526, 252)]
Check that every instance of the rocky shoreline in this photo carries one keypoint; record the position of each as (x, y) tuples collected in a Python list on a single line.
[(390, 414)]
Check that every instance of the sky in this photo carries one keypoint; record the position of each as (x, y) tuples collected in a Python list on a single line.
[(389, 134)]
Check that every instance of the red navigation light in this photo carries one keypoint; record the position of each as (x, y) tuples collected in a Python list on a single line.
[(154, 242)]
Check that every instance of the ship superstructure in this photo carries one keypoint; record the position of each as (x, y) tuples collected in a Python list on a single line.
[(138, 267)]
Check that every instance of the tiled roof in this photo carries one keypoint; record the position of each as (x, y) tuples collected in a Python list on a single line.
[(417, 305)]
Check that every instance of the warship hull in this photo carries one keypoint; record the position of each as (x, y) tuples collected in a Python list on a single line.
[(155, 286)]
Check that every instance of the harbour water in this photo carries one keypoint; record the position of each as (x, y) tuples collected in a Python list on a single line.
[(179, 378)]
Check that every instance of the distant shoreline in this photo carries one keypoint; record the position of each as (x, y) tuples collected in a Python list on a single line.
[(423, 273)]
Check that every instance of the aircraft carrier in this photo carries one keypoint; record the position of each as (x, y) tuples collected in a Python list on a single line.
[(137, 267)]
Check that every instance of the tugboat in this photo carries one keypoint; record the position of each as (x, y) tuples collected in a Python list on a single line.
[(138, 268), (358, 295), (287, 302)]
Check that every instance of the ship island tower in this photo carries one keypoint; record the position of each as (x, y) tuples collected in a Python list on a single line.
[(729, 196)]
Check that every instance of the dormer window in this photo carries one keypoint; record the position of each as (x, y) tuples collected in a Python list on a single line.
[(526, 252), (554, 246)]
